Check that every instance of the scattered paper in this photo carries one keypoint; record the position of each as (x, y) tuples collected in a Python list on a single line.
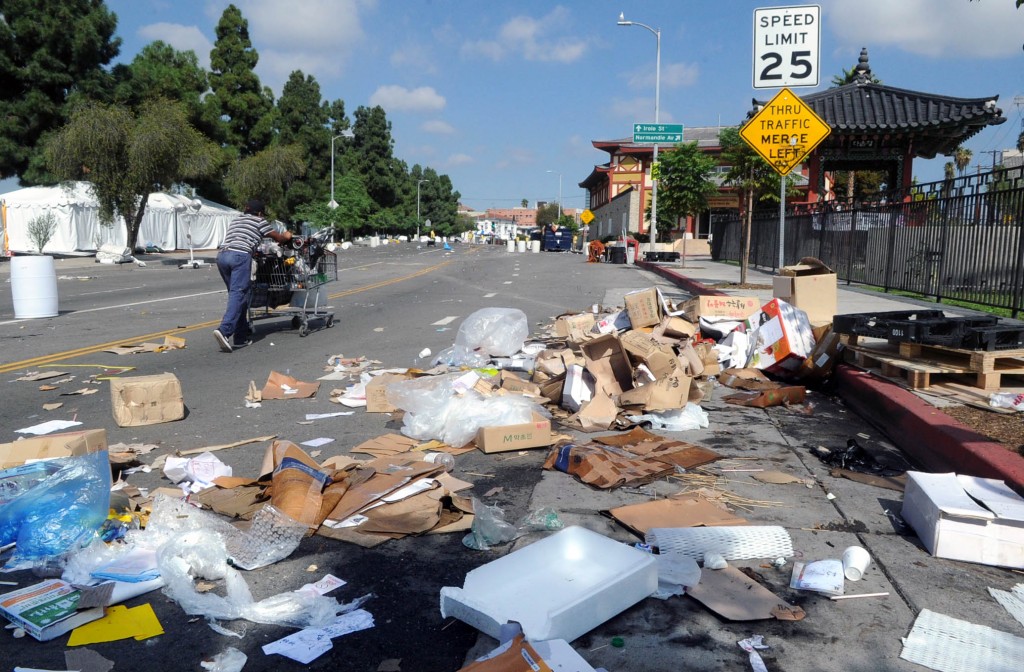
[(821, 576), (119, 623), (199, 471), (324, 416), (83, 391), (41, 375), (316, 443), (307, 645), (47, 427), (52, 407), (323, 586)]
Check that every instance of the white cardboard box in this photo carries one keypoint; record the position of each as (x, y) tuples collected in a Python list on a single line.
[(966, 518), (560, 587)]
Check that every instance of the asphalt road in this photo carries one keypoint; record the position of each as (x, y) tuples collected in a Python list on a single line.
[(390, 303)]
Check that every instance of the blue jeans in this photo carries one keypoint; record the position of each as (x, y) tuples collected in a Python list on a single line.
[(236, 271)]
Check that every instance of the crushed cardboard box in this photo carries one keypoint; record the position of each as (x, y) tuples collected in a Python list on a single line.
[(146, 400)]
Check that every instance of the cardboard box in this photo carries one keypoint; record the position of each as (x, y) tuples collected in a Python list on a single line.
[(47, 610), (810, 286), (574, 327), (52, 446), (709, 359), (510, 382), (618, 321), (827, 352), (767, 398), (377, 393), (533, 434), (643, 307), (678, 327), (966, 518), (577, 389), (666, 394), (608, 363), (660, 359), (783, 340), (735, 307), (147, 400)]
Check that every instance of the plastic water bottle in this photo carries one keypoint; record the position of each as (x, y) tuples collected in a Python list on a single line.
[(444, 459)]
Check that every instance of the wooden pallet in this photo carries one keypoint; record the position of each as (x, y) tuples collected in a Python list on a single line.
[(918, 363)]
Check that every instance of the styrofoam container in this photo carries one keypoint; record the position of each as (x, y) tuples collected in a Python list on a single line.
[(560, 587)]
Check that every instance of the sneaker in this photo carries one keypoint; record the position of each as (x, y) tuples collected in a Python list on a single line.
[(224, 345), (244, 343)]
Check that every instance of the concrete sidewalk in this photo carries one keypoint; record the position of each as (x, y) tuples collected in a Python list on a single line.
[(930, 437)]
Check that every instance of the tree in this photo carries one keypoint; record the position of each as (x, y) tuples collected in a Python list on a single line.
[(266, 175), (302, 119), (370, 153), (524, 203), (948, 171), (547, 214), (962, 158), (237, 95), (354, 207), (126, 156), (685, 183), (754, 179), (49, 51)]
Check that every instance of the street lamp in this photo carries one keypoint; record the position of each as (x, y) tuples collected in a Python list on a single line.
[(559, 215), (333, 204), (418, 183), (657, 103)]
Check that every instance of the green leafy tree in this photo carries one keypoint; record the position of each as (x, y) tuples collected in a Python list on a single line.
[(352, 213), (685, 182), (266, 175), (753, 178), (547, 214), (237, 95), (370, 153), (303, 120), (50, 50), (524, 203), (442, 206), (127, 155)]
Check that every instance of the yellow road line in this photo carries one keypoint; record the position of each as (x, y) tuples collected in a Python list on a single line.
[(43, 360)]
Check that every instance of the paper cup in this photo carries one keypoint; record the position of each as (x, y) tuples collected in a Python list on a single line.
[(855, 562)]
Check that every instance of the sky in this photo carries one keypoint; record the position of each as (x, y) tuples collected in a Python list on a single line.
[(506, 97)]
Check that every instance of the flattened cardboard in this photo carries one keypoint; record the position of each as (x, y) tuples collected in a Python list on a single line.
[(630, 438), (53, 446), (388, 444), (500, 439), (575, 328), (747, 379), (767, 398), (388, 474), (680, 511), (735, 307), (146, 400), (510, 382), (298, 484), (377, 395), (685, 455), (736, 597), (598, 414), (660, 359), (278, 385), (608, 363), (643, 307)]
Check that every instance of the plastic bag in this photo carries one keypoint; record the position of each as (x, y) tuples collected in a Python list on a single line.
[(490, 332), (689, 417), (433, 409), (489, 528), (228, 660), (542, 520), (1007, 400), (59, 513)]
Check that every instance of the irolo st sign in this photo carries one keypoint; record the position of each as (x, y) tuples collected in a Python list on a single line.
[(669, 134), (785, 131), (786, 46)]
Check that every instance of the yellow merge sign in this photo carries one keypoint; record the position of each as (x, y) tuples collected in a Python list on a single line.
[(785, 131), (587, 216)]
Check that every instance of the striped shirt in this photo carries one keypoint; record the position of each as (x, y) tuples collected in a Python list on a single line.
[(245, 233)]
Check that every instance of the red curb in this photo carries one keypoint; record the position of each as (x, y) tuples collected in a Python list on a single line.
[(934, 439), (680, 280)]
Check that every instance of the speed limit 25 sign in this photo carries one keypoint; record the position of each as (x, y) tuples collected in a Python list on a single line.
[(786, 46)]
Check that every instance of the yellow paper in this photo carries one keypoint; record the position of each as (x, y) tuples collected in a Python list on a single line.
[(119, 623)]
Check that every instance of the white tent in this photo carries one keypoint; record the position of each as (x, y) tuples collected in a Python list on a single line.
[(167, 222)]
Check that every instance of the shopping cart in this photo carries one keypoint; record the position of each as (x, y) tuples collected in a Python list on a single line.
[(288, 282)]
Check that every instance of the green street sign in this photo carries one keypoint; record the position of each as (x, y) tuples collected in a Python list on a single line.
[(657, 133)]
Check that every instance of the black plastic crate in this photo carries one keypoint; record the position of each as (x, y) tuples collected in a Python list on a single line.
[(876, 325), (994, 337), (947, 331)]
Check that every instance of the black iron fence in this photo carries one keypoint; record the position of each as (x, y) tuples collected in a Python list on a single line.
[(957, 239)]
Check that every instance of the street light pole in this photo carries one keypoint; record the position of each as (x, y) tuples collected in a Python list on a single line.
[(657, 105), (333, 204), (559, 215), (418, 183)]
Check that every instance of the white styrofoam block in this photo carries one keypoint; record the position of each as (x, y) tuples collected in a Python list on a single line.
[(560, 587)]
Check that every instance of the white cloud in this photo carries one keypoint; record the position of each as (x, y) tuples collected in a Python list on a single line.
[(459, 160), (980, 29), (414, 57), (393, 98), (318, 37), (437, 126), (181, 37), (530, 38), (516, 157), (673, 75)]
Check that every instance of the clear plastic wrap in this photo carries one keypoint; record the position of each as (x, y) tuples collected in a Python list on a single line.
[(689, 417), (58, 514), (228, 660), (498, 332), (489, 528)]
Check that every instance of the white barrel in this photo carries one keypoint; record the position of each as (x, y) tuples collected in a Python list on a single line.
[(511, 246), (374, 241), (521, 246), (534, 246), (33, 287)]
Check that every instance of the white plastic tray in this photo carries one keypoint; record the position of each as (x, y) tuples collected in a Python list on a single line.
[(560, 587)]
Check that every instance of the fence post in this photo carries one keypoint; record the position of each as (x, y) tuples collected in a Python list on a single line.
[(889, 255), (1018, 271), (849, 245), (943, 253)]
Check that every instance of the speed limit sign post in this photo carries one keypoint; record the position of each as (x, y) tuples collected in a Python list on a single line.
[(786, 41)]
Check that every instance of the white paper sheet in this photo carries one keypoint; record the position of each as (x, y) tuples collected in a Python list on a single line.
[(309, 644), (47, 427)]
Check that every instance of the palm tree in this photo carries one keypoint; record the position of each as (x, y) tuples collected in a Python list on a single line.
[(962, 157), (948, 171)]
